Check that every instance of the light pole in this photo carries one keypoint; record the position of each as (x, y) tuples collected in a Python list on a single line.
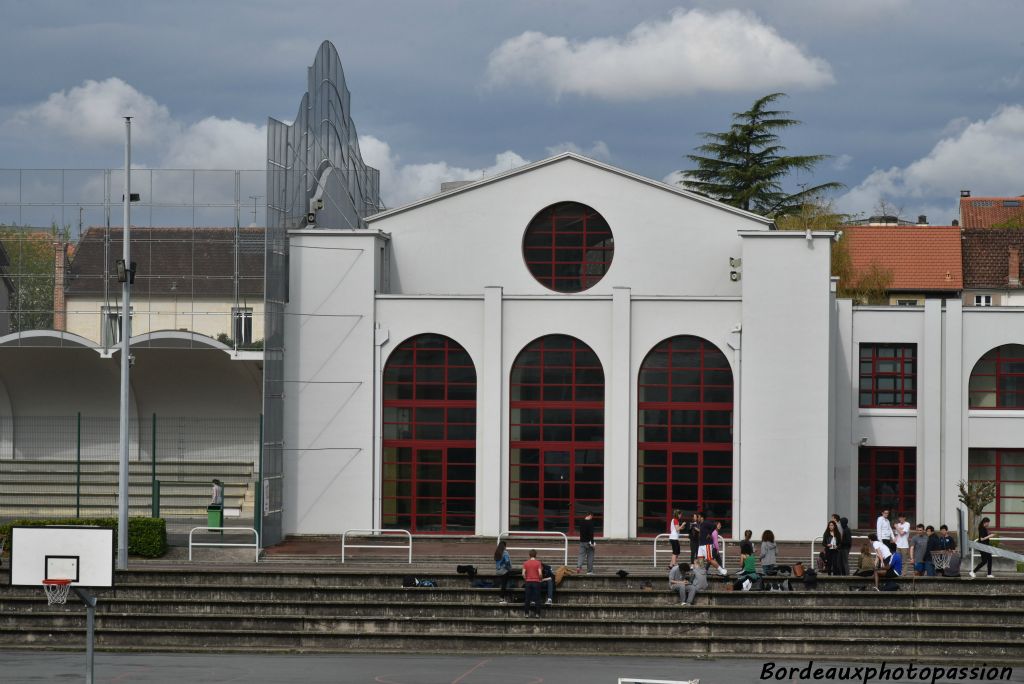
[(125, 274)]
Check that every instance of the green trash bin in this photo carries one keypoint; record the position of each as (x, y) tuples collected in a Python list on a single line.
[(215, 515)]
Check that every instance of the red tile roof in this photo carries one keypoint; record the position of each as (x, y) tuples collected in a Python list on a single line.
[(921, 258), (985, 212)]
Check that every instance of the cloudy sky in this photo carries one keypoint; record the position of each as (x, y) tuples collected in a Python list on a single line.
[(914, 99)]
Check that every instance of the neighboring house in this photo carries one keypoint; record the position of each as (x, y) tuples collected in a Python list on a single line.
[(986, 212), (205, 280), (6, 292), (924, 261), (992, 267)]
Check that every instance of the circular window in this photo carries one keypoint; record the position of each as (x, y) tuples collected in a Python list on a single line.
[(568, 247)]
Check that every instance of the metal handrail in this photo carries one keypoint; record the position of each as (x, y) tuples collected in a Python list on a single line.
[(815, 539), (224, 529), (992, 539), (375, 532), (564, 549)]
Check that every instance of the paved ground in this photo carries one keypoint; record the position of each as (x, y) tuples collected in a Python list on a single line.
[(114, 668)]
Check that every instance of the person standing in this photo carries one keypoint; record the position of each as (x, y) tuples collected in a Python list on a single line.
[(831, 541), (586, 544), (673, 536), (532, 571), (692, 530), (845, 546), (931, 547), (883, 530), (918, 549), (986, 558), (503, 569), (901, 530), (768, 552), (706, 548)]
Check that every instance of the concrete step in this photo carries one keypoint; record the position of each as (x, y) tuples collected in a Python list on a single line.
[(536, 636)]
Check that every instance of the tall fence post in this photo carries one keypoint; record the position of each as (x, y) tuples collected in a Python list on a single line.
[(154, 488), (257, 515), (78, 467)]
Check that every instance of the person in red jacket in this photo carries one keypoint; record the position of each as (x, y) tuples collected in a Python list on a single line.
[(532, 571)]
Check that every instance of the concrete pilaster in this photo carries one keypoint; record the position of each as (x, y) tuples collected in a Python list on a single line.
[(620, 454), (492, 451)]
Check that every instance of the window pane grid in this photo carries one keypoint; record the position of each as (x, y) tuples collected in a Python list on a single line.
[(685, 402), (568, 247), (1005, 467), (888, 375), (556, 435), (887, 479), (997, 380), (429, 462)]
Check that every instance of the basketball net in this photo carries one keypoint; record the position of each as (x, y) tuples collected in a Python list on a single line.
[(56, 590)]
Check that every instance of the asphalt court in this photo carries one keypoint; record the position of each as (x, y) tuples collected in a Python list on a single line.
[(27, 667)]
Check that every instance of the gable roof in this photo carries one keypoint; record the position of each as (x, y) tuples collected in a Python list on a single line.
[(987, 257), (171, 262), (469, 187), (985, 212), (921, 258)]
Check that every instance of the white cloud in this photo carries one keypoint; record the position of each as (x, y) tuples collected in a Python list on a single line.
[(599, 150), (219, 144), (93, 114), (691, 51), (984, 157), (842, 162), (404, 183)]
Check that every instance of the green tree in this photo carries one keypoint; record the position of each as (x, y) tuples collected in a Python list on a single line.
[(31, 269), (745, 166)]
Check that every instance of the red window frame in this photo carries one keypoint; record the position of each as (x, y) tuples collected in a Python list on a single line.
[(684, 433), (996, 465), (894, 468), (429, 443), (568, 247), (999, 373), (888, 375), (556, 436)]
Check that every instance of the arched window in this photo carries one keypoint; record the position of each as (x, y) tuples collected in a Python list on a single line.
[(556, 435), (684, 433), (997, 381), (568, 247), (429, 464)]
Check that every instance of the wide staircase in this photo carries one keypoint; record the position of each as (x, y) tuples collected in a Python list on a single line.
[(54, 488), (284, 607)]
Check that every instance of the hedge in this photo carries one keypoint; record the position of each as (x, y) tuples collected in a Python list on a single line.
[(147, 537)]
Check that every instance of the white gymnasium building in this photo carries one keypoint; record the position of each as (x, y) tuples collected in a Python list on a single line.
[(571, 337)]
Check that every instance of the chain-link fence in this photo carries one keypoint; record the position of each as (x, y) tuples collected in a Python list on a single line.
[(67, 466)]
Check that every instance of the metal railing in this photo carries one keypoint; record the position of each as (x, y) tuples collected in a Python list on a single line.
[(992, 539), (222, 530), (374, 532), (814, 540), (564, 548)]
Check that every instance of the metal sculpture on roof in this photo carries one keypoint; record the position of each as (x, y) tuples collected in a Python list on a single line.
[(316, 176)]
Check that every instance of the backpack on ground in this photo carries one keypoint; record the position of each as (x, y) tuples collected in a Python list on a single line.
[(409, 581), (467, 570), (810, 579), (889, 586), (954, 566), (482, 584)]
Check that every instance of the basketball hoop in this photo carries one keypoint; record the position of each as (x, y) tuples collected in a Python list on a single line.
[(940, 559), (56, 590)]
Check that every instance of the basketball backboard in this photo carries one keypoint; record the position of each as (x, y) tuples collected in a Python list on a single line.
[(84, 555)]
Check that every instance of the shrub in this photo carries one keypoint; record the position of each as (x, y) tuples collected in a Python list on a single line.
[(147, 537)]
